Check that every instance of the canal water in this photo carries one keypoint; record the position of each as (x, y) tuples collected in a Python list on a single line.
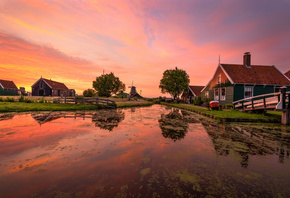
[(152, 151)]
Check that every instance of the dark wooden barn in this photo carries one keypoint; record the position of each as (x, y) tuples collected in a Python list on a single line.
[(45, 87)]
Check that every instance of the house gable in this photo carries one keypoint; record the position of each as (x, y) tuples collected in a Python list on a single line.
[(222, 76), (195, 90)]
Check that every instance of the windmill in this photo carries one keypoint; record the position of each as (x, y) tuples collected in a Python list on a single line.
[(133, 92)]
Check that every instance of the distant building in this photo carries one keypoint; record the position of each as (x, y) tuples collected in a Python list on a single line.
[(123, 95), (232, 82), (192, 92), (8, 88), (45, 87), (133, 93), (72, 92)]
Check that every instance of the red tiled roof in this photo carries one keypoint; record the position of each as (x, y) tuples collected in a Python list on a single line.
[(7, 84), (55, 84), (256, 74), (196, 89), (287, 74)]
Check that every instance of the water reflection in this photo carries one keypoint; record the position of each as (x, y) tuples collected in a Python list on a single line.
[(173, 125), (70, 157), (42, 118), (104, 119), (6, 116), (108, 119), (244, 140)]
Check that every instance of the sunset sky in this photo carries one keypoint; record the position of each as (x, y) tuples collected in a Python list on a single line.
[(74, 41)]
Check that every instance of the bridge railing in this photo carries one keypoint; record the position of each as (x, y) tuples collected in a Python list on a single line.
[(265, 101), (92, 101)]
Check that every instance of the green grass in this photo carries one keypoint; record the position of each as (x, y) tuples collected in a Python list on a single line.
[(22, 107), (133, 104), (231, 113)]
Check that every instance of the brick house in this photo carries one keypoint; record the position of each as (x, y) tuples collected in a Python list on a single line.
[(8, 88), (192, 92), (232, 82)]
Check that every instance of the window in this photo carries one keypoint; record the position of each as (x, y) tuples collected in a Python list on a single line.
[(216, 94), (207, 94), (223, 93), (219, 79), (248, 92)]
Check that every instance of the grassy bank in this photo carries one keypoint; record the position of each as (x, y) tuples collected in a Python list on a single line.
[(133, 104), (231, 115), (22, 107), (35, 106)]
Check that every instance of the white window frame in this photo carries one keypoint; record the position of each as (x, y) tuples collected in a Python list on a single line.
[(252, 88), (223, 97), (216, 97)]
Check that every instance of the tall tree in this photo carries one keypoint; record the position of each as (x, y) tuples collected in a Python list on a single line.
[(108, 84), (174, 81)]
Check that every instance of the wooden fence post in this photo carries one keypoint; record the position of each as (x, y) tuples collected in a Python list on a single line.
[(65, 100), (264, 100), (252, 103)]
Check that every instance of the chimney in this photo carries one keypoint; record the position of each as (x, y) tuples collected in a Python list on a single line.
[(247, 59)]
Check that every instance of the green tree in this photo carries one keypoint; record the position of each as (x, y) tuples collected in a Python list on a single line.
[(89, 93), (175, 82), (108, 84)]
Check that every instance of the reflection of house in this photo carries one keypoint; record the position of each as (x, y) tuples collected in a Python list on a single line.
[(45, 87), (232, 82), (8, 88), (45, 117), (192, 92)]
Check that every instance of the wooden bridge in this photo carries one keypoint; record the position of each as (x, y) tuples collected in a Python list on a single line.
[(273, 101), (91, 101)]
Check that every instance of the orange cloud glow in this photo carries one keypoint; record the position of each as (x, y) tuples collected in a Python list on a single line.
[(75, 42)]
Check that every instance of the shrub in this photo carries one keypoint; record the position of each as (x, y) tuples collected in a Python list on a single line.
[(21, 98), (10, 99), (28, 100), (1, 99), (41, 100), (229, 106), (197, 101)]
